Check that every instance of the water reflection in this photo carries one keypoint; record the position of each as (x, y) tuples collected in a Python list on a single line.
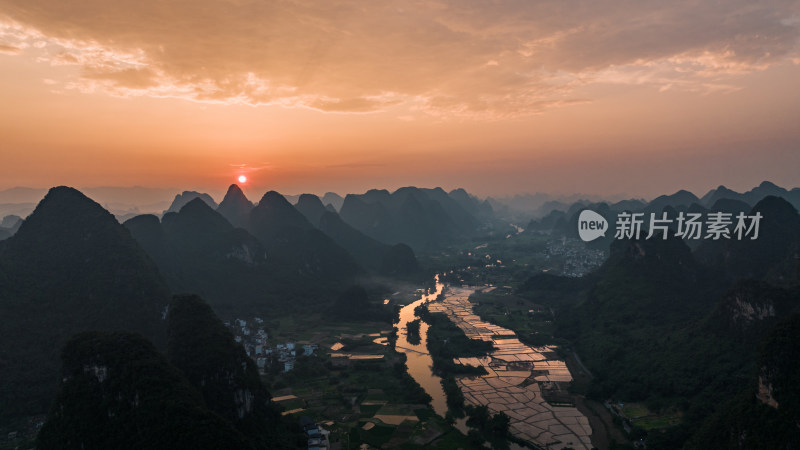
[(419, 362)]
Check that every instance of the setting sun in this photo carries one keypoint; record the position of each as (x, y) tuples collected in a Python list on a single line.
[(242, 178)]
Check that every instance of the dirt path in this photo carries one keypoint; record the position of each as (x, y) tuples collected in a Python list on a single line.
[(601, 420)]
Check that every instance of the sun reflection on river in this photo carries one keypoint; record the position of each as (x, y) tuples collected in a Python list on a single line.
[(419, 361)]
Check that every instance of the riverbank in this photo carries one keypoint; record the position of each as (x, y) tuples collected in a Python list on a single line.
[(418, 361), (604, 430)]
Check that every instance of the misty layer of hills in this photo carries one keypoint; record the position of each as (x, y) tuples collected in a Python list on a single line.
[(126, 203), (263, 254), (71, 267), (421, 218), (541, 204), (88, 316), (562, 219)]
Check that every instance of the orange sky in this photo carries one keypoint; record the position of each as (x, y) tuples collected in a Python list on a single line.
[(514, 96)]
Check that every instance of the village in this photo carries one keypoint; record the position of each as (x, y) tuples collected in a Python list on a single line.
[(577, 258), (254, 339)]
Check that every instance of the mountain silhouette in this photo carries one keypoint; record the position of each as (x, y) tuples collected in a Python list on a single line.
[(311, 207), (371, 254), (421, 218), (398, 259), (11, 221), (719, 193), (272, 215), (772, 257), (373, 219), (70, 267), (753, 196), (236, 207), (333, 199), (765, 189), (187, 196), (195, 221), (471, 204), (147, 231), (198, 251), (201, 252), (294, 241), (679, 200)]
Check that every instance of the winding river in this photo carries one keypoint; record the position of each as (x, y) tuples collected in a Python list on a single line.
[(507, 387), (419, 362)]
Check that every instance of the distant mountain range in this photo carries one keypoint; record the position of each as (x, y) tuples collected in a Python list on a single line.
[(541, 204), (187, 196), (425, 217), (278, 257), (386, 259), (420, 218), (127, 202), (201, 247), (562, 219), (124, 202)]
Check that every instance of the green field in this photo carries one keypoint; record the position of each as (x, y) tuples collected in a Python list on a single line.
[(645, 419)]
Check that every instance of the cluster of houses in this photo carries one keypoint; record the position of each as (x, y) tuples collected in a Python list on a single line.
[(254, 340), (578, 258), (318, 437)]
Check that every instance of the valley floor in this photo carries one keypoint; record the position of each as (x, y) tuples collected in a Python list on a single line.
[(518, 380)]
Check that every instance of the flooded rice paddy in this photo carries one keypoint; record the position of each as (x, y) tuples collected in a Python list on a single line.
[(516, 375)]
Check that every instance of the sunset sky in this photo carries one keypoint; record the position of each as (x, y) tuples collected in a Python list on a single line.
[(499, 97)]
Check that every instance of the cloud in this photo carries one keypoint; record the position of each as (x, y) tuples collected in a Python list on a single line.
[(246, 168), (10, 49), (352, 105), (448, 58), (124, 78), (355, 165)]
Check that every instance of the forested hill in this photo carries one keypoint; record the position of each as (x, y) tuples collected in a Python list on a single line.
[(70, 267), (688, 332), (204, 350), (118, 391)]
